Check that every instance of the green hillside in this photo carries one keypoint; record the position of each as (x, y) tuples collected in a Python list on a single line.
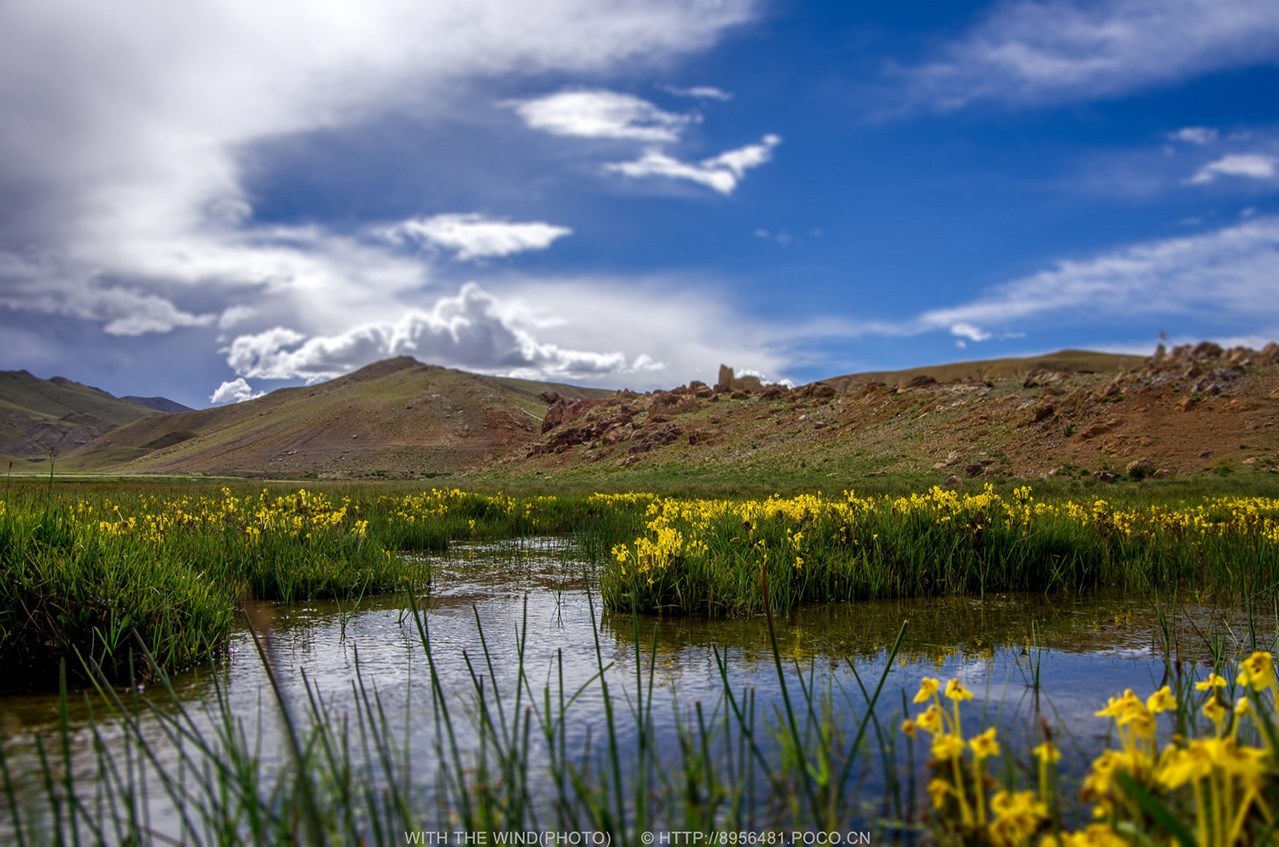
[(396, 418), (39, 415)]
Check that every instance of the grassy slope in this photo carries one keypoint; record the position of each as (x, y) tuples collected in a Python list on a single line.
[(57, 398), (1103, 416), (1069, 415), (392, 418), (1070, 361), (37, 415)]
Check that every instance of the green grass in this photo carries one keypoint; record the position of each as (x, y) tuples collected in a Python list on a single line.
[(703, 556), (97, 569)]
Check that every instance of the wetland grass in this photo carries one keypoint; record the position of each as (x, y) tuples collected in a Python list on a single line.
[(498, 760), (1191, 763), (83, 571), (701, 556)]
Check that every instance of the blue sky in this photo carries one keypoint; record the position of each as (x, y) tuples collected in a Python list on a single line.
[(217, 198)]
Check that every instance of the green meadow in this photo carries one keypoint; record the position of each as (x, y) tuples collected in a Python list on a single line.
[(107, 587)]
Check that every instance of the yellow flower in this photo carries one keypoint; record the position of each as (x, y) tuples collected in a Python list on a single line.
[(931, 720), (1258, 671), (1161, 701), (1047, 752), (956, 691), (939, 790), (947, 747), (909, 728), (927, 688), (985, 745), (1215, 711), (1213, 681)]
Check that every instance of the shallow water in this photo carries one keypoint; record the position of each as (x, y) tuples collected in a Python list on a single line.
[(490, 602)]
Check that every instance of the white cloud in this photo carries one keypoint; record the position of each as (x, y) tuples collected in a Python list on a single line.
[(234, 391), (965, 330), (637, 332), (1228, 273), (48, 285), (232, 316), (128, 129), (721, 173), (699, 92), (1057, 51), (602, 114), (1194, 135), (472, 330), (474, 236), (1249, 165)]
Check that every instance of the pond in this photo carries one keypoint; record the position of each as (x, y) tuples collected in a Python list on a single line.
[(519, 627)]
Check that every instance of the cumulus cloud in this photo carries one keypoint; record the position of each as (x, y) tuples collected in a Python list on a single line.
[(1248, 165), (721, 173), (1058, 51), (234, 391), (474, 236), (602, 114), (127, 129), (471, 330)]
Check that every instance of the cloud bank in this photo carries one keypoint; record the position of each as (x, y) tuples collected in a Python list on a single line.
[(127, 129), (469, 330), (1229, 273)]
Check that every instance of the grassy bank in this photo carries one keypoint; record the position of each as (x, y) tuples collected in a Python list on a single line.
[(96, 578), (93, 571), (705, 556)]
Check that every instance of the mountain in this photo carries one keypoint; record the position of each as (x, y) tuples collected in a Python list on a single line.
[(1190, 410), (39, 415), (396, 418), (160, 404)]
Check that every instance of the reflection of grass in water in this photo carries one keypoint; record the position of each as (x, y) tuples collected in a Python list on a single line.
[(498, 755), (501, 760)]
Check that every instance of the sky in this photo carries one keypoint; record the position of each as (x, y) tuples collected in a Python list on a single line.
[(213, 199)]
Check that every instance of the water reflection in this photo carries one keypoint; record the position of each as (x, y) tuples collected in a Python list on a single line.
[(497, 610)]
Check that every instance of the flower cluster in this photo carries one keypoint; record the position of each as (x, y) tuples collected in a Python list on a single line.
[(966, 802), (1213, 785)]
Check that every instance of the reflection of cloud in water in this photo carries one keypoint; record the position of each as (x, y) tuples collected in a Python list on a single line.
[(532, 597)]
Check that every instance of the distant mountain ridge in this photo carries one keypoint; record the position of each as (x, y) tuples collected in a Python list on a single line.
[(38, 415), (1189, 410), (160, 404)]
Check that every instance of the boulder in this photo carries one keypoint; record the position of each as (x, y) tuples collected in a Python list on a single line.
[(1140, 468)]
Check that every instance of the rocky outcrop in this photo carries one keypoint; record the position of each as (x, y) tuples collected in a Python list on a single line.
[(729, 382)]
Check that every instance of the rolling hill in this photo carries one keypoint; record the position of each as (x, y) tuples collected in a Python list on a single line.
[(395, 418), (39, 415), (1190, 410)]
